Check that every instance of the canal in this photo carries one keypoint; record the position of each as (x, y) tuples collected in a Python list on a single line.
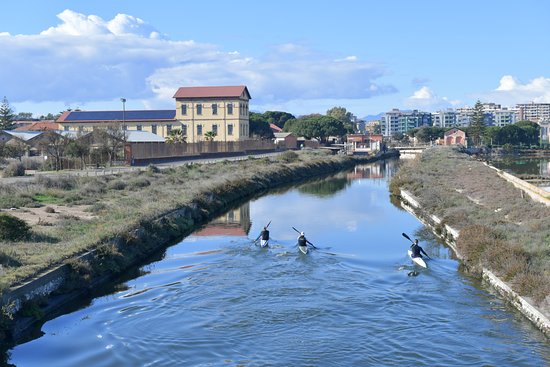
[(217, 299)]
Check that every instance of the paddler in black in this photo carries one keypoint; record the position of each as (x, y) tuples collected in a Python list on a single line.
[(302, 241), (264, 234), (417, 251)]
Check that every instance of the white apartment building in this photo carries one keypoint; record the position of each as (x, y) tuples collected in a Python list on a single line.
[(536, 112)]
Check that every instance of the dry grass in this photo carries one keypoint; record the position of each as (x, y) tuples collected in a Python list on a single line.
[(499, 228)]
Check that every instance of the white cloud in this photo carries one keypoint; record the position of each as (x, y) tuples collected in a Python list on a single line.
[(426, 99), (86, 58), (511, 91)]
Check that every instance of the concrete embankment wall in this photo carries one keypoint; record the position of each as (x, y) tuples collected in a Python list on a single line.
[(54, 289), (450, 235), (536, 193)]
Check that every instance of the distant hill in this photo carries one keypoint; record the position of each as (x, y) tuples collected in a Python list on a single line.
[(372, 117)]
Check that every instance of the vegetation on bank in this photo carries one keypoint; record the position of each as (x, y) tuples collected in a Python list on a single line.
[(119, 204), (501, 228)]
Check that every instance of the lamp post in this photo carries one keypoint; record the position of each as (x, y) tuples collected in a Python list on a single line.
[(123, 100)]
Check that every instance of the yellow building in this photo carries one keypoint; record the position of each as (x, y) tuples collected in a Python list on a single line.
[(223, 110)]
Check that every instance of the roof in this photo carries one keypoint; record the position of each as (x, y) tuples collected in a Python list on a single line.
[(281, 135), (39, 126), (132, 115), (135, 136), (454, 130), (23, 135), (275, 128), (213, 92)]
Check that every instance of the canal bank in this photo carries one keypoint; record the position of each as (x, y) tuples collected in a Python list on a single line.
[(475, 228), (48, 293)]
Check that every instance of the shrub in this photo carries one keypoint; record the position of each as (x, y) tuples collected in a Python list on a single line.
[(116, 185), (14, 169), (289, 156), (138, 182), (33, 163), (12, 228), (60, 182), (153, 169)]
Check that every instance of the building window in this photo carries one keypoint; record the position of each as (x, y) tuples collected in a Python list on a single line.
[(230, 109), (154, 129), (214, 109), (183, 129), (168, 129), (66, 128), (124, 127), (139, 127), (199, 129), (199, 109), (215, 129), (184, 109), (230, 129), (80, 129)]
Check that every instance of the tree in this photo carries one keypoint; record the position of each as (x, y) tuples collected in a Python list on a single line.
[(176, 136), (259, 126), (210, 135), (24, 116), (278, 118), (347, 118), (53, 145), (6, 115), (427, 134), (477, 124), (531, 130), (78, 149), (316, 126)]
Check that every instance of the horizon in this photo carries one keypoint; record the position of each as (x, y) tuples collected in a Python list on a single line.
[(377, 57)]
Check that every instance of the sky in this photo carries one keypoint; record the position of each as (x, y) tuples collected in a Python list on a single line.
[(297, 56)]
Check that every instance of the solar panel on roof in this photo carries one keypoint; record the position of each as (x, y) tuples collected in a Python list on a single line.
[(120, 115)]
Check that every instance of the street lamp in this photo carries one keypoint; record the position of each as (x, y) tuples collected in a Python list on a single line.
[(123, 100)]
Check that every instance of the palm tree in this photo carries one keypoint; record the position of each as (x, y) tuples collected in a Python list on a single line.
[(210, 135), (176, 136)]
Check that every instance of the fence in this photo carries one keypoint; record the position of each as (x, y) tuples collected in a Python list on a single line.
[(154, 150)]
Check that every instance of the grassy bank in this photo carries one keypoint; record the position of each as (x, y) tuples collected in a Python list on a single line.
[(501, 229)]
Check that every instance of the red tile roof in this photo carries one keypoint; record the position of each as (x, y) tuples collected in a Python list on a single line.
[(40, 126), (212, 92), (275, 128)]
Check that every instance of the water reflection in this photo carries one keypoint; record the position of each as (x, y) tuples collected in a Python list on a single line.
[(235, 222)]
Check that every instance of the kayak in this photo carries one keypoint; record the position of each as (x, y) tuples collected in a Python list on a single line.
[(264, 243), (417, 260), (303, 249)]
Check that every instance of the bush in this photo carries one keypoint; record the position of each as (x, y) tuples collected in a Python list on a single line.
[(116, 185), (289, 156), (61, 182), (153, 169), (14, 169), (12, 228), (138, 182)]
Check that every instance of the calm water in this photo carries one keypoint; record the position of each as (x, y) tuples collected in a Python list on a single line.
[(216, 299), (526, 166)]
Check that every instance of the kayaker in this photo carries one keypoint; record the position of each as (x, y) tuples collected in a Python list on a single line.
[(302, 241), (264, 234), (417, 251)]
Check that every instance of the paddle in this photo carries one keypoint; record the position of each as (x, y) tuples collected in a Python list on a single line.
[(257, 238), (407, 237), (312, 245)]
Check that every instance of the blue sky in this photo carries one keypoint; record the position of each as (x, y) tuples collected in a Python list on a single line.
[(296, 56)]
